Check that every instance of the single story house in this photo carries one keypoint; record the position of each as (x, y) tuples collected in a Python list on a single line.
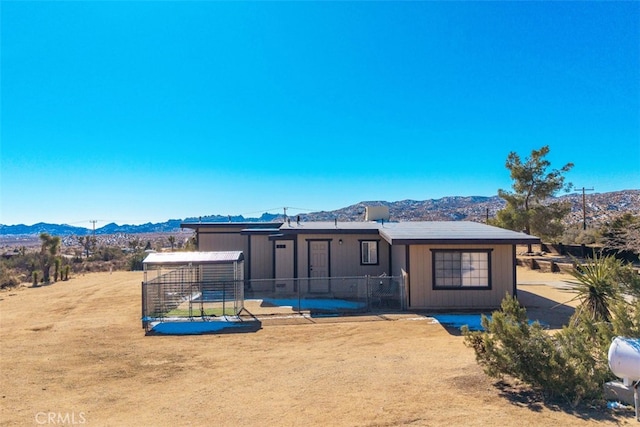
[(444, 264)]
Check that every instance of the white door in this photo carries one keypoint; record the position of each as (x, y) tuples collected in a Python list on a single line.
[(319, 266)]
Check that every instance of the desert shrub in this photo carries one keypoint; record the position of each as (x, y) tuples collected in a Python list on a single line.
[(564, 366), (571, 364), (576, 235), (135, 261), (7, 278), (107, 253)]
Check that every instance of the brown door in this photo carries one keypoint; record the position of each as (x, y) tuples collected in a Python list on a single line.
[(319, 266)]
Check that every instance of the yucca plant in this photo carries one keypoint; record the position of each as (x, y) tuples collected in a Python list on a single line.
[(597, 288)]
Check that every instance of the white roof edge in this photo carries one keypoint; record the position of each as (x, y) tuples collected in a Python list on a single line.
[(159, 258)]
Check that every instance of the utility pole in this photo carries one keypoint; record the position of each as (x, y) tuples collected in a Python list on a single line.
[(584, 207), (93, 221), (285, 214)]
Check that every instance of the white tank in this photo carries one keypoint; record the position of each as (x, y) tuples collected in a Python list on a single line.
[(624, 358)]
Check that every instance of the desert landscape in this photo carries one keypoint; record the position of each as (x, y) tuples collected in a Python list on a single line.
[(74, 353)]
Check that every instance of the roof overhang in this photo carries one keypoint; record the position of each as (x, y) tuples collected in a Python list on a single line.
[(224, 225), (185, 258)]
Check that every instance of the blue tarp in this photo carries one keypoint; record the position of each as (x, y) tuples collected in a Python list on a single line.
[(472, 320), (208, 327)]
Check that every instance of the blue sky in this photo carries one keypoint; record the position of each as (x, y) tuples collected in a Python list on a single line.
[(144, 111)]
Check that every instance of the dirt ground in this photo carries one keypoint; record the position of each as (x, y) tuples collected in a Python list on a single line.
[(74, 353)]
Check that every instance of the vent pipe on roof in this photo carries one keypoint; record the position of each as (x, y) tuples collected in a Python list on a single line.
[(335, 221)]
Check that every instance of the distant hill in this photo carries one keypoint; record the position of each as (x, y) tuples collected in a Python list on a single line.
[(601, 207)]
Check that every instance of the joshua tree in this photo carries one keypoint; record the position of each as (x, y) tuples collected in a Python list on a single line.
[(56, 269), (172, 241), (48, 252)]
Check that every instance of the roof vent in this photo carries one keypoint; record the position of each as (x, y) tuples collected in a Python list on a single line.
[(376, 213)]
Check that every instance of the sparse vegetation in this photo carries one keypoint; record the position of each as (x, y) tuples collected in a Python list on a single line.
[(571, 364), (7, 278), (48, 254), (74, 254)]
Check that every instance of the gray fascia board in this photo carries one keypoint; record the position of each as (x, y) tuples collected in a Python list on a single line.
[(461, 241), (244, 225)]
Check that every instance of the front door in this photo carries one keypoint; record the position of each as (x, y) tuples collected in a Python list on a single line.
[(319, 266)]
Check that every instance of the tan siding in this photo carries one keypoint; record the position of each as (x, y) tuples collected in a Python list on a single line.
[(421, 281), (229, 240), (261, 257), (284, 265), (284, 259), (222, 242), (345, 257), (398, 259)]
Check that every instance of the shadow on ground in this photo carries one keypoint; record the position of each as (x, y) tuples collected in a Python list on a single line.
[(535, 401), (548, 312)]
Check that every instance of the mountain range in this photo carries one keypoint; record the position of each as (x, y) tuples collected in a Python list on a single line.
[(600, 207)]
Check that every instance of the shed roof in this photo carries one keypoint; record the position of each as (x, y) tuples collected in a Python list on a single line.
[(173, 258)]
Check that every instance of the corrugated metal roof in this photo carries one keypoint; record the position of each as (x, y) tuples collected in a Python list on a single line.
[(161, 258), (449, 231)]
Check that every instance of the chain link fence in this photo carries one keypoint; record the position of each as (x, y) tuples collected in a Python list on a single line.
[(328, 295), (190, 292), (186, 293)]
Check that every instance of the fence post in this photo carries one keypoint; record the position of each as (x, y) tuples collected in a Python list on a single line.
[(298, 286), (366, 288), (144, 306)]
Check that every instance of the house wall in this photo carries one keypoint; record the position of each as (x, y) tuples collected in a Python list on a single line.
[(423, 296), (227, 239), (345, 257), (398, 260), (284, 266), (261, 257)]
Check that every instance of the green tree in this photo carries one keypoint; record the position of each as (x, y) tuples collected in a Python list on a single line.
[(48, 251), (528, 207), (623, 233)]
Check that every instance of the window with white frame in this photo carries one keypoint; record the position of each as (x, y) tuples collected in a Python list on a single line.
[(369, 252), (461, 269)]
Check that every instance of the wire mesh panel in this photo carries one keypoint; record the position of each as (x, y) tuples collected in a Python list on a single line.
[(342, 295), (200, 291)]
